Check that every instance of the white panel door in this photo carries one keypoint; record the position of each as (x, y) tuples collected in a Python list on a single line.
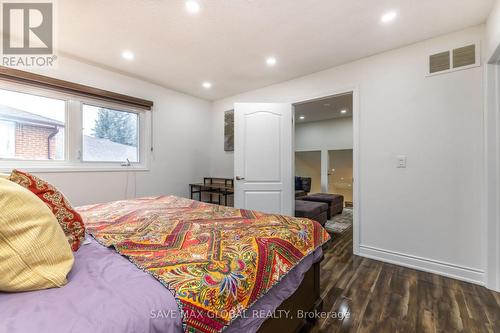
[(263, 157)]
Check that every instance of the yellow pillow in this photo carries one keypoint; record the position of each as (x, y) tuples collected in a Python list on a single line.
[(34, 253), (4, 175)]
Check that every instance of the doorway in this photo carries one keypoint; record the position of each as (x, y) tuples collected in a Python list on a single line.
[(264, 154), (324, 160)]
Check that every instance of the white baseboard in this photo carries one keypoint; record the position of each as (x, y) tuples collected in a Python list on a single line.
[(423, 264)]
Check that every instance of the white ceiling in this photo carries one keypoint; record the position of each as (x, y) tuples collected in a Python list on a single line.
[(228, 41), (323, 109)]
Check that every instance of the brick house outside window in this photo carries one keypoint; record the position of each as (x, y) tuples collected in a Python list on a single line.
[(26, 135)]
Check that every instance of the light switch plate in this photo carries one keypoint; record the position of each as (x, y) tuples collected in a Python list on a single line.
[(401, 161)]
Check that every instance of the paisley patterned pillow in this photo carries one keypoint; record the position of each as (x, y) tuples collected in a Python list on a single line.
[(71, 222)]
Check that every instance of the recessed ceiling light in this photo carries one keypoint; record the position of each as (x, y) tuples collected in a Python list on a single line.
[(128, 55), (343, 111), (389, 16), (193, 7), (271, 61), (206, 85), (302, 117)]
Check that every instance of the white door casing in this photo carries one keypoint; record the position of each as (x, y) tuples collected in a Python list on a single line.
[(262, 157), (491, 228)]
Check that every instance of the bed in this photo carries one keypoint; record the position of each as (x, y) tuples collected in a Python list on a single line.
[(109, 292)]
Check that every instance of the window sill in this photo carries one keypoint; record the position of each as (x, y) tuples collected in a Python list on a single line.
[(73, 168)]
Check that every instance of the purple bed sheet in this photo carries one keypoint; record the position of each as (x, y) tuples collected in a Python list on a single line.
[(107, 293)]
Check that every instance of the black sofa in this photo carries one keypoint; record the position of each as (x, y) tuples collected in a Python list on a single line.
[(302, 186)]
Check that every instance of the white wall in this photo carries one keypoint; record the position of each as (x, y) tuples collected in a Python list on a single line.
[(428, 215), (180, 155), (326, 134), (493, 32)]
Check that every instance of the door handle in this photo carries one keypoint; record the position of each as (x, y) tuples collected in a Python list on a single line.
[(240, 178)]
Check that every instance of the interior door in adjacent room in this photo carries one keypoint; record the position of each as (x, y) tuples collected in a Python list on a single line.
[(262, 157)]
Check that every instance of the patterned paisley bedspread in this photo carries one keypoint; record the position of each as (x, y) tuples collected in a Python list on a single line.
[(216, 260)]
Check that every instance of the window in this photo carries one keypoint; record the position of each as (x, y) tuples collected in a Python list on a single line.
[(31, 127), (109, 135), (45, 130)]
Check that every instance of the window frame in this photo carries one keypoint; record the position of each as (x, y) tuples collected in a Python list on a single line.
[(11, 132), (73, 140), (119, 109)]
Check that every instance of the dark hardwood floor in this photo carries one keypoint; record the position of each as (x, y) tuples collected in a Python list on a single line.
[(381, 297)]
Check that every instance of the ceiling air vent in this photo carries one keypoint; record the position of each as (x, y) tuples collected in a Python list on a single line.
[(454, 60), (439, 62), (464, 56)]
